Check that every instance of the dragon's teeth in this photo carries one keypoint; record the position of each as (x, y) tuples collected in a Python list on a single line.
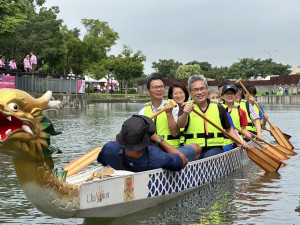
[(27, 129), (9, 118), (8, 132)]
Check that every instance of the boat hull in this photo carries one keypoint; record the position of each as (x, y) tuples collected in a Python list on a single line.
[(121, 195)]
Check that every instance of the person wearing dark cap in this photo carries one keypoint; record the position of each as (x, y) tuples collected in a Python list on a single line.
[(133, 150), (239, 118), (220, 88)]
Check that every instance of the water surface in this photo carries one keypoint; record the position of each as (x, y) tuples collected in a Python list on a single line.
[(246, 196)]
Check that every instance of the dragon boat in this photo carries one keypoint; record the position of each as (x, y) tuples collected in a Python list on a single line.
[(96, 192)]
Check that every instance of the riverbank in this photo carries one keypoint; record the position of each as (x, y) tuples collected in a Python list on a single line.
[(107, 98), (279, 99), (81, 100)]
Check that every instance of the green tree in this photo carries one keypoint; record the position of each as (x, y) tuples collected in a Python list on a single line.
[(12, 17), (129, 65), (250, 67), (98, 40), (40, 34), (185, 71), (205, 66), (165, 68), (217, 73), (76, 51)]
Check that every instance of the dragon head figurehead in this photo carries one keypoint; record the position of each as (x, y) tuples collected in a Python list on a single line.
[(24, 130), (25, 136)]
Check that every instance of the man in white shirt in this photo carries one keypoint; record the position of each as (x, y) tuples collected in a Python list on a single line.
[(166, 122)]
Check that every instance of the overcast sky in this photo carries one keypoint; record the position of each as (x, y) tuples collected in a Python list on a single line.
[(217, 31)]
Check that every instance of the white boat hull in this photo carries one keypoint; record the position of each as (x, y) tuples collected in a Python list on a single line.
[(126, 192)]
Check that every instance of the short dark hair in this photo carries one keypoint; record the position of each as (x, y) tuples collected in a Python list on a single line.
[(153, 78), (252, 89), (178, 85), (222, 84)]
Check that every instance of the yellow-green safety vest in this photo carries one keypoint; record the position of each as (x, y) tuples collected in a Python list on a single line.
[(162, 126), (196, 133), (235, 119)]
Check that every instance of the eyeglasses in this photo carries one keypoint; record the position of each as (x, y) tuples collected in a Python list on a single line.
[(229, 93), (158, 87), (199, 89), (178, 93)]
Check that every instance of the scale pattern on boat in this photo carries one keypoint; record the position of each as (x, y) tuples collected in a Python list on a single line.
[(195, 174)]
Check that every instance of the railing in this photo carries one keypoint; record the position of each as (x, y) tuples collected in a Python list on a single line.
[(43, 82)]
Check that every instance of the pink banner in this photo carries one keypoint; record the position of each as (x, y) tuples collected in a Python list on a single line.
[(7, 81), (81, 86)]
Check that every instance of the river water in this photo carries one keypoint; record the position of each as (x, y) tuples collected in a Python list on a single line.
[(246, 196)]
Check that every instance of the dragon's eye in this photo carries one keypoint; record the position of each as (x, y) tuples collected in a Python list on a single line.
[(13, 106)]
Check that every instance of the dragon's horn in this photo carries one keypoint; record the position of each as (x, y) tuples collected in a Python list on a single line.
[(54, 104)]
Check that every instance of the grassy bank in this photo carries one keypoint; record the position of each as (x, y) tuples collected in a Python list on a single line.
[(95, 97)]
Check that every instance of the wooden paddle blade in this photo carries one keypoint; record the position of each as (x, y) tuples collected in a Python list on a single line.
[(285, 150), (82, 162), (276, 152), (287, 136), (277, 134), (267, 163)]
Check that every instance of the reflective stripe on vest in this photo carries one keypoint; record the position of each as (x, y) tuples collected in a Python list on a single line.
[(196, 129), (162, 126)]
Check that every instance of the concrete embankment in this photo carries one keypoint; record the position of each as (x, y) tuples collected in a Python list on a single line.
[(68, 100), (279, 99)]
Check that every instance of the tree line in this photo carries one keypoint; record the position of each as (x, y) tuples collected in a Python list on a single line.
[(246, 68), (26, 25)]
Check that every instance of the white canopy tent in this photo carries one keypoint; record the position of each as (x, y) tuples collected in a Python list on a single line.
[(90, 79), (114, 82)]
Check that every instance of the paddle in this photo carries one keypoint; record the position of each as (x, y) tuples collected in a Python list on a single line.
[(267, 163), (269, 151), (274, 130), (82, 162), (278, 147), (85, 160), (287, 137)]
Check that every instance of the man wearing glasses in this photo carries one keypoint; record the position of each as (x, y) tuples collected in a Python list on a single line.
[(166, 122), (198, 130)]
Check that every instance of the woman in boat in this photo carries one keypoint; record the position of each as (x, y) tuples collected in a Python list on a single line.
[(166, 122), (238, 116), (179, 93), (132, 150)]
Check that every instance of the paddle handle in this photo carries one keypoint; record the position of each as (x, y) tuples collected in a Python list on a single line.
[(162, 110), (252, 139), (239, 81), (217, 127), (261, 139)]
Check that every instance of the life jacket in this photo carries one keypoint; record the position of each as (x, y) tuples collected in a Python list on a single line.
[(196, 131), (244, 104), (162, 126), (235, 119)]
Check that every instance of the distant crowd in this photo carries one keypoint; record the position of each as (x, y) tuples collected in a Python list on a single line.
[(29, 63)]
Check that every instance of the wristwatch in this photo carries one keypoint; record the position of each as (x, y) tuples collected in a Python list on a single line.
[(160, 139)]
